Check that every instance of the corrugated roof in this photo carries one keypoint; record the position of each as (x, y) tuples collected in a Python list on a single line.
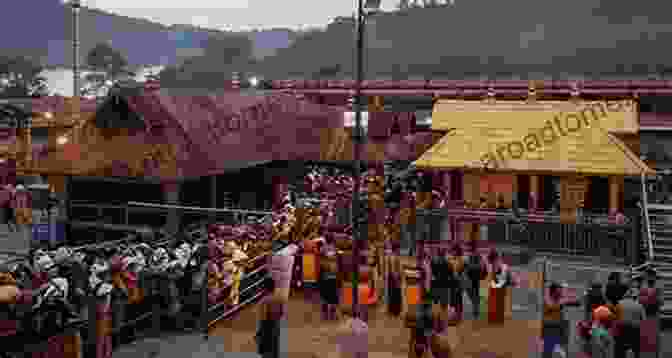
[(207, 130), (340, 148), (655, 120)]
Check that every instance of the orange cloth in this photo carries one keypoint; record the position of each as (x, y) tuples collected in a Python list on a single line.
[(552, 311), (458, 264), (367, 296), (603, 313), (72, 346), (24, 216), (311, 268), (616, 310), (413, 295)]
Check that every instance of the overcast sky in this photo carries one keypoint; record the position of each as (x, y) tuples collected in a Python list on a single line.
[(234, 14)]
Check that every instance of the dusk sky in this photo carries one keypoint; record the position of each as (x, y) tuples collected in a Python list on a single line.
[(234, 14)]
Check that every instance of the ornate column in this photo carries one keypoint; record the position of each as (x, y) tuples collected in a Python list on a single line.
[(171, 196)]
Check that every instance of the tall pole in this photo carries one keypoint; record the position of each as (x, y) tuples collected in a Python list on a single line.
[(76, 4), (358, 139)]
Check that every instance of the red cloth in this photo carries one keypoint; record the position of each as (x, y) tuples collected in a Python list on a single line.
[(406, 121), (380, 124), (648, 296), (39, 279), (5, 196)]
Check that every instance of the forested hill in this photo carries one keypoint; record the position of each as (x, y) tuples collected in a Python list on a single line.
[(41, 29), (493, 38)]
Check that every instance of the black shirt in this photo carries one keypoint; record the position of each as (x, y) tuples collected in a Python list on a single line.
[(615, 291), (441, 271)]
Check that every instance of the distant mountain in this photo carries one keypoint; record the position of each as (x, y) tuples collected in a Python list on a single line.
[(47, 37), (484, 38)]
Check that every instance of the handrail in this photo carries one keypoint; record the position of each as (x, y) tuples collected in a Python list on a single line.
[(196, 208), (647, 222)]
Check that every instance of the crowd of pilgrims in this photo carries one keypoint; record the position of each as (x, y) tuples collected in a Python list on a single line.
[(230, 248), (619, 316), (613, 314), (44, 294)]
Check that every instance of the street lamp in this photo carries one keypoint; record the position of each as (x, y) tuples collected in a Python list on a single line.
[(358, 139), (75, 5), (62, 140)]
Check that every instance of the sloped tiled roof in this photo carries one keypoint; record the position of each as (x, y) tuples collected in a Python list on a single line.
[(483, 140)]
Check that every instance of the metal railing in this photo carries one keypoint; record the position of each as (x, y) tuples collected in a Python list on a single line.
[(647, 221), (593, 236), (189, 215)]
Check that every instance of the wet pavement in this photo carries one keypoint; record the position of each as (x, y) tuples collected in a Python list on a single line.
[(306, 335)]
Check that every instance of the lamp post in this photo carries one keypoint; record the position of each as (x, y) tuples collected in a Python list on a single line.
[(75, 5), (358, 139)]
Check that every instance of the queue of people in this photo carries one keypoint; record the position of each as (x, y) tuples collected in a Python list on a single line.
[(16, 203), (614, 320)]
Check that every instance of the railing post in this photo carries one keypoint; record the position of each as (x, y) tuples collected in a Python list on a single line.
[(92, 338), (635, 243), (204, 319), (100, 236)]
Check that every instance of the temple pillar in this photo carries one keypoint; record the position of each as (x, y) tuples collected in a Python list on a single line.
[(533, 203), (59, 215), (171, 196), (213, 196), (446, 222), (614, 194), (280, 188)]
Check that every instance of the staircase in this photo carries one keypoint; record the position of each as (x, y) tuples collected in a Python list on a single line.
[(660, 229)]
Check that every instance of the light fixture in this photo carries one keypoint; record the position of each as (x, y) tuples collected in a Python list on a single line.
[(372, 5), (61, 140), (48, 115), (254, 82)]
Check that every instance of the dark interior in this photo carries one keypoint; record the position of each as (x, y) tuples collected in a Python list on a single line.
[(597, 199), (523, 193)]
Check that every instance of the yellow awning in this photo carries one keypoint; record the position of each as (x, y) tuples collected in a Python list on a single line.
[(515, 140)]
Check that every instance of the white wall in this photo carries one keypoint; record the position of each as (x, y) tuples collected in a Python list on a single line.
[(60, 80)]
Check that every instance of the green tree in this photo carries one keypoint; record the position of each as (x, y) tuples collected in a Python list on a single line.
[(105, 58)]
